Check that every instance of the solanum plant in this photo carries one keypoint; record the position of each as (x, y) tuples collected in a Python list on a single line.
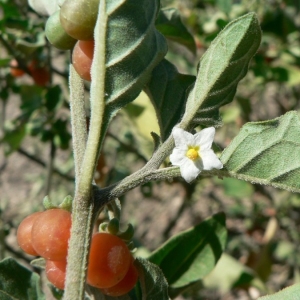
[(124, 53)]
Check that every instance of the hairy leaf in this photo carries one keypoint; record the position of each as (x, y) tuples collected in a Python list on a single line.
[(289, 293), (169, 24), (152, 281), (267, 153), (133, 48), (223, 65), (190, 255), (17, 282), (167, 91)]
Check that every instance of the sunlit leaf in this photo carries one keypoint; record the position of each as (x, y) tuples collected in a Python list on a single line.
[(267, 153), (290, 293), (227, 274), (190, 255), (133, 48), (221, 68)]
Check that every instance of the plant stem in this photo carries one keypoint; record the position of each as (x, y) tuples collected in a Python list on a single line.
[(78, 119), (83, 204), (105, 195)]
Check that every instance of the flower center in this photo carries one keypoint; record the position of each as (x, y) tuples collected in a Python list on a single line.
[(193, 152)]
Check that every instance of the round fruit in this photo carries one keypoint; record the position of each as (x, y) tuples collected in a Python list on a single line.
[(109, 260), (14, 70), (82, 58), (40, 75), (56, 34), (24, 233), (78, 18), (125, 285), (56, 272), (50, 234)]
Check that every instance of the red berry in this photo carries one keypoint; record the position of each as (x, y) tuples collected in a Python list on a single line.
[(125, 285), (56, 272), (50, 234), (40, 75), (82, 58), (109, 260), (24, 233), (14, 70)]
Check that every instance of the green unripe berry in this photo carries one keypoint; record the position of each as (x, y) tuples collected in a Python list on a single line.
[(56, 34)]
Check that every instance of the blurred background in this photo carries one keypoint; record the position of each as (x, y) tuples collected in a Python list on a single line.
[(262, 254)]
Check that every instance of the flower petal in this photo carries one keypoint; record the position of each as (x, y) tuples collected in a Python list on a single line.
[(210, 160), (204, 138), (178, 156), (182, 138), (189, 171)]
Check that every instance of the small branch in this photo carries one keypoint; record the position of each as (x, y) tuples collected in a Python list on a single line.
[(43, 164), (62, 74), (105, 195)]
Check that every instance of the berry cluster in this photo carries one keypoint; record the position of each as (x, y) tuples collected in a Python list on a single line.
[(111, 265), (70, 28), (39, 74)]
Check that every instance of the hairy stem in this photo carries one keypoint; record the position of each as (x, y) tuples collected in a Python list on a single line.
[(104, 196), (78, 119), (83, 205)]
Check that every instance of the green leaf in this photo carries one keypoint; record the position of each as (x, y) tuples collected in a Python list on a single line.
[(169, 24), (190, 255), (267, 153), (17, 282), (31, 99), (133, 48), (227, 274), (221, 68), (4, 62), (290, 293), (152, 281), (13, 139), (237, 188), (167, 92), (134, 110), (224, 5), (53, 97)]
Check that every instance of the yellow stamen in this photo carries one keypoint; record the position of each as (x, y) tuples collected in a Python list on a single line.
[(193, 153)]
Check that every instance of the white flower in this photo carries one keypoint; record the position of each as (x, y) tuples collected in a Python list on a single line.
[(193, 153)]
